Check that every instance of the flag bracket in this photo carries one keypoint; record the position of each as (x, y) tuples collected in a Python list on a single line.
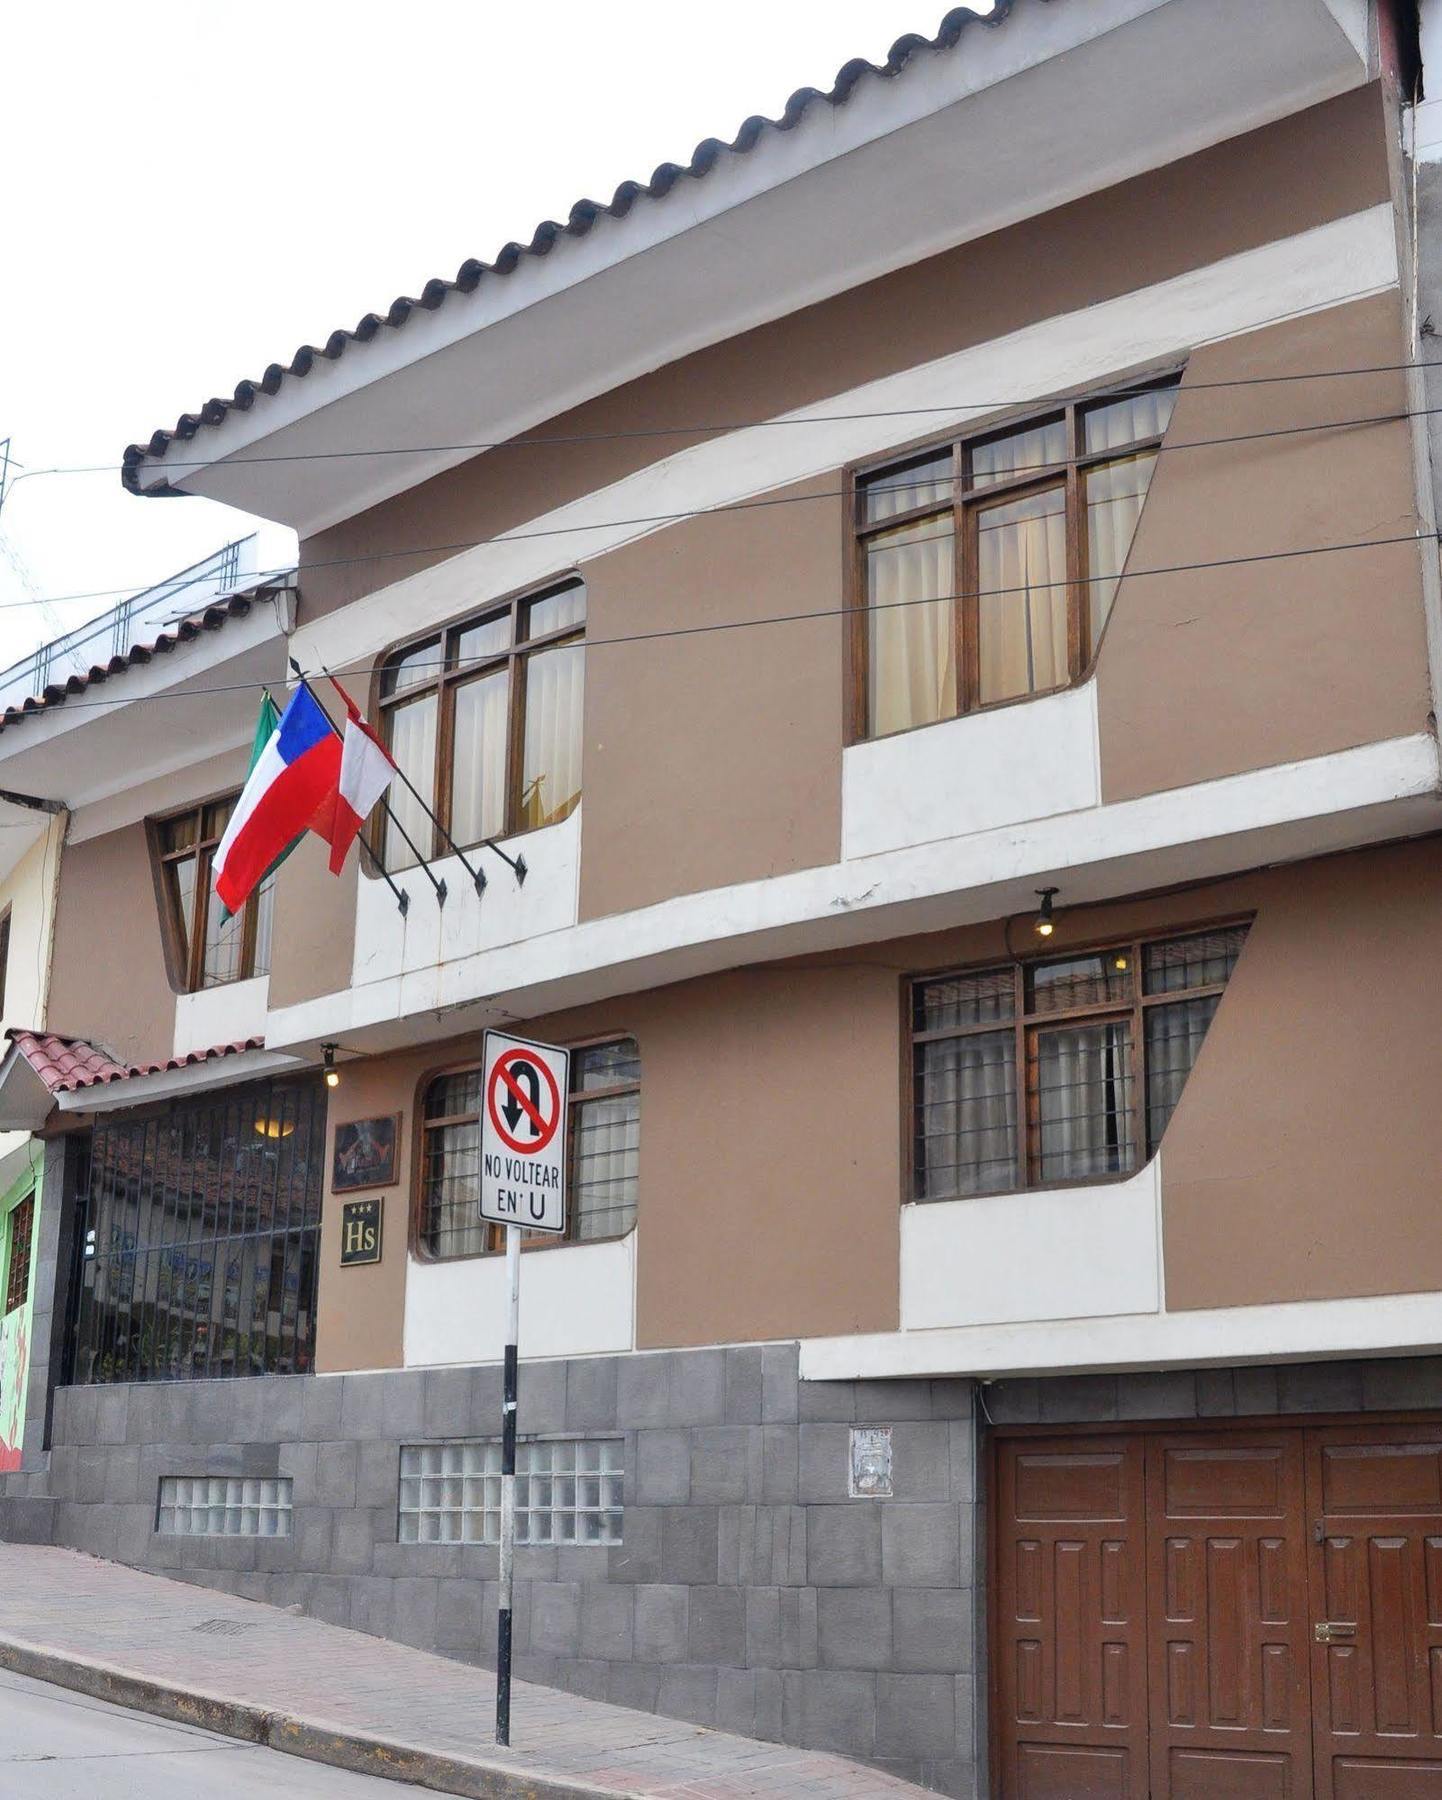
[(475, 874)]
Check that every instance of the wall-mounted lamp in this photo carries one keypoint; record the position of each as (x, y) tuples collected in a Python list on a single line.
[(269, 1127), (1044, 924), (332, 1073), (1121, 961)]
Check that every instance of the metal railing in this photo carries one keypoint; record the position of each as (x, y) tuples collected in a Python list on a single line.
[(139, 619)]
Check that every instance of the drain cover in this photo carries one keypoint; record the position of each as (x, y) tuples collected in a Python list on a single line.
[(224, 1627)]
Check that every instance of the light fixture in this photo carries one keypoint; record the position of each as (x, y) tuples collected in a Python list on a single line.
[(269, 1127), (1119, 961), (332, 1073), (1044, 924)]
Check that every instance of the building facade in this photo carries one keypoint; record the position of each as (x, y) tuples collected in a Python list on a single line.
[(1013, 1357)]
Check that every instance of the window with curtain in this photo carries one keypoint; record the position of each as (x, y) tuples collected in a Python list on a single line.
[(206, 946), (605, 1149), (485, 719), (1065, 1069), (987, 567)]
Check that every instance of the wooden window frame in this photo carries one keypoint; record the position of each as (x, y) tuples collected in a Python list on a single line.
[(1026, 1025), (451, 674), (576, 1099), (967, 501), (17, 1268), (185, 961)]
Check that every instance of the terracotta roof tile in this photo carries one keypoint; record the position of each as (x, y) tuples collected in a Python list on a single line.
[(66, 1064), (583, 216)]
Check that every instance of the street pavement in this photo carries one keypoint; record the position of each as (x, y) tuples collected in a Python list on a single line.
[(56, 1745), (273, 1677)]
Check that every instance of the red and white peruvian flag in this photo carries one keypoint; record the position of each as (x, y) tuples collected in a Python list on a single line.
[(366, 771)]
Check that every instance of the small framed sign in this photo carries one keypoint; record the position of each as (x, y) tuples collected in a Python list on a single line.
[(870, 1462), (365, 1154), (360, 1231)]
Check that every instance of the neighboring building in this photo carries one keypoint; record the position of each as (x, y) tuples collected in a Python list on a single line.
[(32, 832), (1016, 1361)]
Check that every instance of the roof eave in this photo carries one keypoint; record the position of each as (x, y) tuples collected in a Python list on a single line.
[(1038, 88)]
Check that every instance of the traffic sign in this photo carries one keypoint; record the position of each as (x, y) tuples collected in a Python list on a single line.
[(525, 1089)]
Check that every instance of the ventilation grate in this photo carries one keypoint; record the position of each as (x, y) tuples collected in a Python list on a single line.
[(224, 1627)]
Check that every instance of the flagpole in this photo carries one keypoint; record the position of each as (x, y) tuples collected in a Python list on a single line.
[(403, 899), (517, 864)]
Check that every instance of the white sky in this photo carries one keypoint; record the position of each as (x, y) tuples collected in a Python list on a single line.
[(193, 188)]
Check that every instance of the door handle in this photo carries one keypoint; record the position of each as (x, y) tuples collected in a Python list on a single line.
[(1332, 1631)]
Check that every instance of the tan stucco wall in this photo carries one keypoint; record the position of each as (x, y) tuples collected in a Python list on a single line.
[(109, 980), (772, 1119), (1211, 672), (1302, 1163), (360, 1310), (715, 758), (769, 1161), (1318, 165), (313, 940)]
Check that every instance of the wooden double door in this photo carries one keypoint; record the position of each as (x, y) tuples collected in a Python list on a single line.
[(1250, 1614)]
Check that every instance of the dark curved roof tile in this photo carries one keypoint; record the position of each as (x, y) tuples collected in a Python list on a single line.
[(582, 218), (184, 631)]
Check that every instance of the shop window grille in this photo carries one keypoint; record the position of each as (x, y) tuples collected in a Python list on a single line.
[(224, 1506), (199, 1227), (568, 1491)]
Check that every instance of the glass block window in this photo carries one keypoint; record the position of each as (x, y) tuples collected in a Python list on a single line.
[(224, 1506), (568, 1491), (1061, 1069)]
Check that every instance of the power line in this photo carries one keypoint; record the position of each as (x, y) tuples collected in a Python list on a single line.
[(535, 440), (1058, 464), (683, 631)]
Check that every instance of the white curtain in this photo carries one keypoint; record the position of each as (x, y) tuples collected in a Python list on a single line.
[(1022, 596), (966, 1115), (1174, 1036), (413, 745), (1114, 496), (551, 759), (608, 1143), (912, 651), (1084, 1078), (478, 781)]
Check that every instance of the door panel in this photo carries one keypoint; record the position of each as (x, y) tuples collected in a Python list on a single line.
[(1375, 1493), (1157, 1599), (1071, 1629), (1227, 1580)]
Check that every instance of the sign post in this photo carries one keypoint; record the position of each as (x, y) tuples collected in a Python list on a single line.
[(526, 1089)]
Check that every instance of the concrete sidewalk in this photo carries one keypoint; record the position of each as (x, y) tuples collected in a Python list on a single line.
[(253, 1672)]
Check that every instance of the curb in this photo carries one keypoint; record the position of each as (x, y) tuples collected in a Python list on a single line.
[(309, 1738)]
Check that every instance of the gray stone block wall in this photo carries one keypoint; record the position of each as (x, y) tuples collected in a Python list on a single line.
[(750, 1592)]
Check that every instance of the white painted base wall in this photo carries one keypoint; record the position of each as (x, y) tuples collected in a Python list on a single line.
[(576, 1300), (1065, 1253), (989, 769), (221, 1015)]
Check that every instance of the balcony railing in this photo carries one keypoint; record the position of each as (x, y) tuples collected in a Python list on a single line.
[(137, 620)]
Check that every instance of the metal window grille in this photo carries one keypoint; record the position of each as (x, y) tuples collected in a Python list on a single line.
[(568, 1491), (224, 1506), (1067, 1068), (22, 1229), (198, 1233), (605, 1107)]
